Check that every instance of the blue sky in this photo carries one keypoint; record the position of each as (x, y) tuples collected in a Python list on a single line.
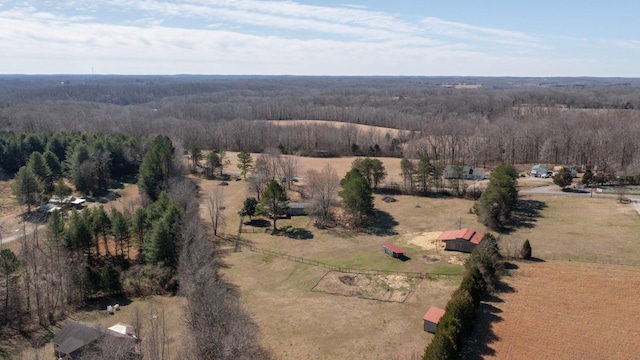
[(304, 37)]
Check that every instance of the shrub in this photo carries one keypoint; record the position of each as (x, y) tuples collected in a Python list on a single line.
[(525, 252)]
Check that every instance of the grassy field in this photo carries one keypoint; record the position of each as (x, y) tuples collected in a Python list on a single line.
[(580, 229), (297, 323), (562, 310)]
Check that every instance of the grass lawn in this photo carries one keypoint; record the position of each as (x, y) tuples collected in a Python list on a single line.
[(581, 229)]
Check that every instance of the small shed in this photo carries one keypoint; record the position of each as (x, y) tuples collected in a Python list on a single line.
[(432, 318), (393, 250), (463, 240), (298, 208)]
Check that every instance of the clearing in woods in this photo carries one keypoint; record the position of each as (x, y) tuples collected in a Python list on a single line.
[(562, 310)]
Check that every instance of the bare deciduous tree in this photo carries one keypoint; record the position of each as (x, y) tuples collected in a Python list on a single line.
[(323, 189), (215, 205), (289, 167)]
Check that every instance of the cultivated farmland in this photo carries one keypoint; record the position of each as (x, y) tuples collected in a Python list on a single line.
[(562, 310)]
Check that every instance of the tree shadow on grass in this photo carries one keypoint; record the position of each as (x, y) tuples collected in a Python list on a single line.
[(295, 233), (478, 345), (101, 303), (524, 215), (383, 224), (259, 223)]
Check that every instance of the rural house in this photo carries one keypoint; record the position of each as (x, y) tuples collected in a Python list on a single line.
[(392, 250), (432, 318), (464, 240), (77, 337), (538, 170)]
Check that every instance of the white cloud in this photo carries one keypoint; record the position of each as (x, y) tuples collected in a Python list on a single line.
[(471, 32), (265, 37)]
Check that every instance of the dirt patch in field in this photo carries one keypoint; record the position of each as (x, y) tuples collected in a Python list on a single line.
[(562, 310), (428, 240), (394, 288)]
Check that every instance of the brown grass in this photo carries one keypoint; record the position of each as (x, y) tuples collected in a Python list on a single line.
[(296, 323), (377, 130), (562, 310), (598, 230)]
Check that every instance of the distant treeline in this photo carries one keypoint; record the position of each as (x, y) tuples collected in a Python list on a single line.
[(590, 122)]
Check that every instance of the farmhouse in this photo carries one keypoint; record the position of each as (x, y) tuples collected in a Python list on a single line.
[(76, 337), (464, 240), (432, 318), (392, 250), (463, 172), (539, 170)]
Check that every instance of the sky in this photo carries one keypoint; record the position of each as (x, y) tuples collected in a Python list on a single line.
[(541, 38)]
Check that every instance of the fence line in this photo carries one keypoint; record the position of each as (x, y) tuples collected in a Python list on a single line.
[(409, 274)]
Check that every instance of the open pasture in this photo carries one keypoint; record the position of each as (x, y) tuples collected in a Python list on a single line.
[(600, 230), (298, 323), (562, 310)]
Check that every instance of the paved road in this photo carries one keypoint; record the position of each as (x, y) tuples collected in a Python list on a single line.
[(554, 190)]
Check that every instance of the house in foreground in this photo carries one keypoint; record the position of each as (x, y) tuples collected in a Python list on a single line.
[(464, 240), (76, 339), (432, 318)]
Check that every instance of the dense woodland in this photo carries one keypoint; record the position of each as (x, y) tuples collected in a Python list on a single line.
[(82, 256), (588, 122)]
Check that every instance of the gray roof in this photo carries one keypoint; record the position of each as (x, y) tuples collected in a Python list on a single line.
[(76, 334), (299, 205)]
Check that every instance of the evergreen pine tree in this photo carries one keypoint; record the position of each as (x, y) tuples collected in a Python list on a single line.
[(525, 252)]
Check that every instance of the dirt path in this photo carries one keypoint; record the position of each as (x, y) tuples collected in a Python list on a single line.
[(28, 231)]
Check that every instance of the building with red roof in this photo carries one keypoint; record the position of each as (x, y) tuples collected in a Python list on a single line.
[(393, 250), (432, 318), (464, 240)]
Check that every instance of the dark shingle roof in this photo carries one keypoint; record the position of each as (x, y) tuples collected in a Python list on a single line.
[(76, 334)]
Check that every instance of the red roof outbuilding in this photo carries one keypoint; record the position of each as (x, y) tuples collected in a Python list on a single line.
[(462, 234), (434, 314), (394, 248)]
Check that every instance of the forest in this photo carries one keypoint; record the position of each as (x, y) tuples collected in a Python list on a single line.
[(587, 122)]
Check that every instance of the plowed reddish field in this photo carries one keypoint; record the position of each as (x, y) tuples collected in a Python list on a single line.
[(559, 310)]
